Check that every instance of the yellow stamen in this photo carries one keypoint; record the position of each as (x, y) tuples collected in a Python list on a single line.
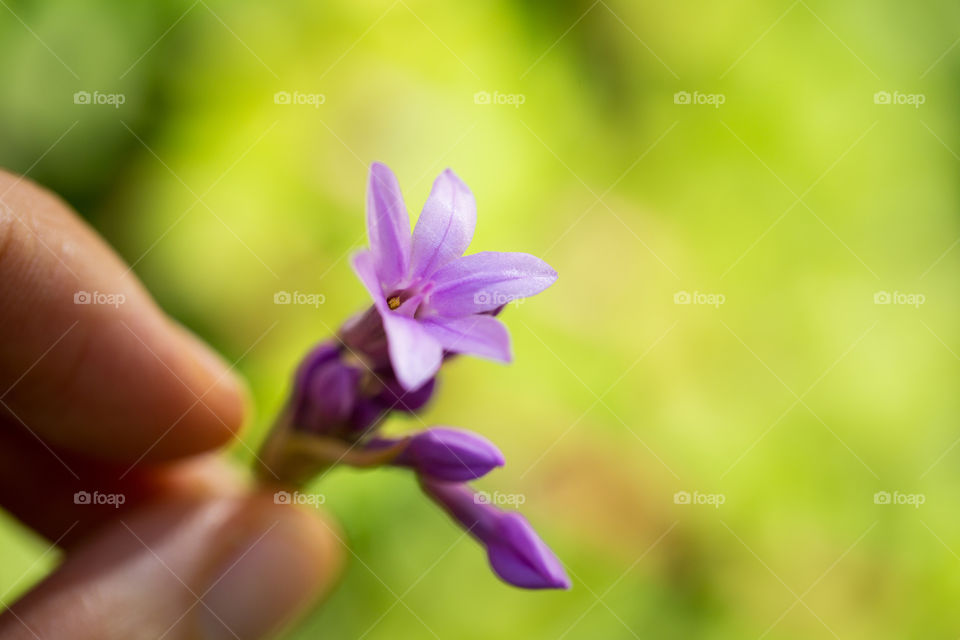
[(393, 302)]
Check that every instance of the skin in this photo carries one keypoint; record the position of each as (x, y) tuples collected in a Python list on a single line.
[(124, 401)]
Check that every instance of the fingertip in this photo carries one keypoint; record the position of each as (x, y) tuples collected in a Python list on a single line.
[(89, 361), (236, 567), (283, 559), (218, 412)]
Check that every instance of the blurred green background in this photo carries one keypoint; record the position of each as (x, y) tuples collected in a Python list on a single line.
[(785, 389)]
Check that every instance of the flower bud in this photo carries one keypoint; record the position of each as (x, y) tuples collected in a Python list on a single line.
[(336, 394), (448, 454), (325, 391), (520, 557), (515, 551)]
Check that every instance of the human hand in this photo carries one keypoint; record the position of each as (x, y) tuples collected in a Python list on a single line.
[(121, 403)]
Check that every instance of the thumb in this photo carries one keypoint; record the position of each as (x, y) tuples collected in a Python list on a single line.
[(237, 567)]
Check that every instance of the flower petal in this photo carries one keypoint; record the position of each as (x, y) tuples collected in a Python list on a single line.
[(415, 355), (445, 227), (479, 335), (388, 226), (364, 266), (487, 280)]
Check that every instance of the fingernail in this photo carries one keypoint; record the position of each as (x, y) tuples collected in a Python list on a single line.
[(278, 565)]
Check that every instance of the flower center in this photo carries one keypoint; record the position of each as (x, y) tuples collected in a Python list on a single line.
[(393, 302)]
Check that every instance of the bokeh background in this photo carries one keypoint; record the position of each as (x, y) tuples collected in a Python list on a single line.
[(812, 171)]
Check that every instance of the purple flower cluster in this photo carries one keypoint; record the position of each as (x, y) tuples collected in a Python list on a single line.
[(430, 302)]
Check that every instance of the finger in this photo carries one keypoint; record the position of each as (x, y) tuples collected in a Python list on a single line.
[(214, 568), (64, 496), (88, 361)]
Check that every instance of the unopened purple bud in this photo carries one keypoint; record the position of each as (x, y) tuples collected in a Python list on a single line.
[(516, 553), (519, 556), (325, 390), (442, 453), (336, 394)]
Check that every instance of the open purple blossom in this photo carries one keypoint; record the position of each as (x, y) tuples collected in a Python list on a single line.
[(516, 552), (430, 297)]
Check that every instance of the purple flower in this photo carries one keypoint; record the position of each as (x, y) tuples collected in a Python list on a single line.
[(443, 453), (430, 297), (516, 552), (429, 303)]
